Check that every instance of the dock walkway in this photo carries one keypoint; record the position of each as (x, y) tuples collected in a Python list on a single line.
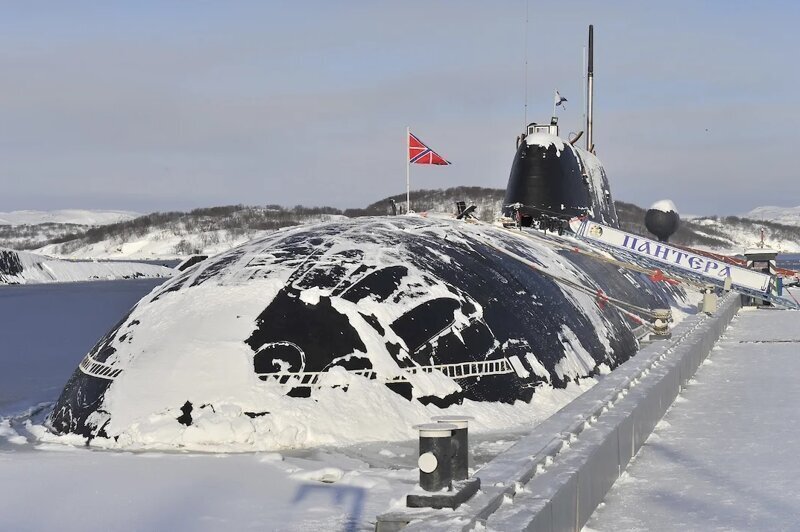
[(727, 454)]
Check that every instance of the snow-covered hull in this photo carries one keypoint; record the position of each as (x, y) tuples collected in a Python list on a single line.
[(428, 311)]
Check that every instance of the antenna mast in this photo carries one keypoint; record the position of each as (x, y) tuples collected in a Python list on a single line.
[(590, 91), (525, 125), (583, 87)]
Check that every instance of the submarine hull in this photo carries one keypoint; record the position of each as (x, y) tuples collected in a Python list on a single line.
[(435, 311)]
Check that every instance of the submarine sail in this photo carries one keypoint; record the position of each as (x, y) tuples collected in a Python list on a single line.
[(552, 180)]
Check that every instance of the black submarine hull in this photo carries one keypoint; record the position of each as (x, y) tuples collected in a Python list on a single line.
[(393, 301)]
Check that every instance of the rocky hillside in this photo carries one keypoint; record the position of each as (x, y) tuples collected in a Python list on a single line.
[(215, 229)]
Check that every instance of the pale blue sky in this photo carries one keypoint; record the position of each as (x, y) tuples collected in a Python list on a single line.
[(172, 105)]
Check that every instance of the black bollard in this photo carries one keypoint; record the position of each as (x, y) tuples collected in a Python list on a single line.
[(460, 444), (435, 456)]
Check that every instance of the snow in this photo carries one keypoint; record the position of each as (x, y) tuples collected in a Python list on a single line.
[(545, 140), (577, 360), (664, 206), (158, 243), (725, 455), (781, 215), (168, 241), (40, 269), (598, 181), (746, 235), (66, 216), (88, 488)]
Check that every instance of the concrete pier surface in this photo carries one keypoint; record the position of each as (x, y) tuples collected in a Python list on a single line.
[(727, 454)]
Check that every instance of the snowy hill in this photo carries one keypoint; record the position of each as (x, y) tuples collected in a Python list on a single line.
[(724, 234), (781, 215), (178, 234), (742, 233), (19, 267), (33, 229), (217, 229), (65, 216)]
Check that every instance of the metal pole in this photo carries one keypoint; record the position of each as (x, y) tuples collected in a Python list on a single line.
[(583, 85), (525, 125), (590, 91), (408, 170)]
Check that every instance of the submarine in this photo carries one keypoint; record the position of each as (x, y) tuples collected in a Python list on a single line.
[(552, 180), (291, 333)]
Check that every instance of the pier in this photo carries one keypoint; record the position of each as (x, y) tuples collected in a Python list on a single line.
[(697, 432), (725, 455)]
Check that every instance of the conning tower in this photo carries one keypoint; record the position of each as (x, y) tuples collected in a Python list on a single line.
[(552, 180)]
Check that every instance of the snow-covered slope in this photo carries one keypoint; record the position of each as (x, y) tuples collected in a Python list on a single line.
[(741, 234), (19, 267), (159, 243), (65, 216), (722, 234), (216, 229), (177, 234), (781, 215)]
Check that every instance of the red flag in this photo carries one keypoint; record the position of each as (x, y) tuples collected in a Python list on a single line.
[(420, 153)]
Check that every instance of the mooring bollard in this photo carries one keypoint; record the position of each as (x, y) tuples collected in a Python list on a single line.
[(709, 300), (435, 455), (459, 443), (661, 319)]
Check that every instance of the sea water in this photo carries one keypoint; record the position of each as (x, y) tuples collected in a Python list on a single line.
[(46, 329), (788, 260)]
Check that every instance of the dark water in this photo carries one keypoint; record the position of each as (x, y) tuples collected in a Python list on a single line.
[(789, 260), (45, 330)]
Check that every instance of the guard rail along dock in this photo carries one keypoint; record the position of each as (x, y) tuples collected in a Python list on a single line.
[(553, 478)]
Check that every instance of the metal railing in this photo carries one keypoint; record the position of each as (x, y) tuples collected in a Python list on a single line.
[(461, 370), (97, 369), (299, 379)]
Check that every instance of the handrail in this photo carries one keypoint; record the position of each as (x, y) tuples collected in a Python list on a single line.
[(307, 379)]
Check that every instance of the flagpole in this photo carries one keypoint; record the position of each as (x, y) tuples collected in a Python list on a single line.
[(408, 170), (555, 101)]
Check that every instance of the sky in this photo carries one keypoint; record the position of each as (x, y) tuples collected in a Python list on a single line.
[(165, 105)]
